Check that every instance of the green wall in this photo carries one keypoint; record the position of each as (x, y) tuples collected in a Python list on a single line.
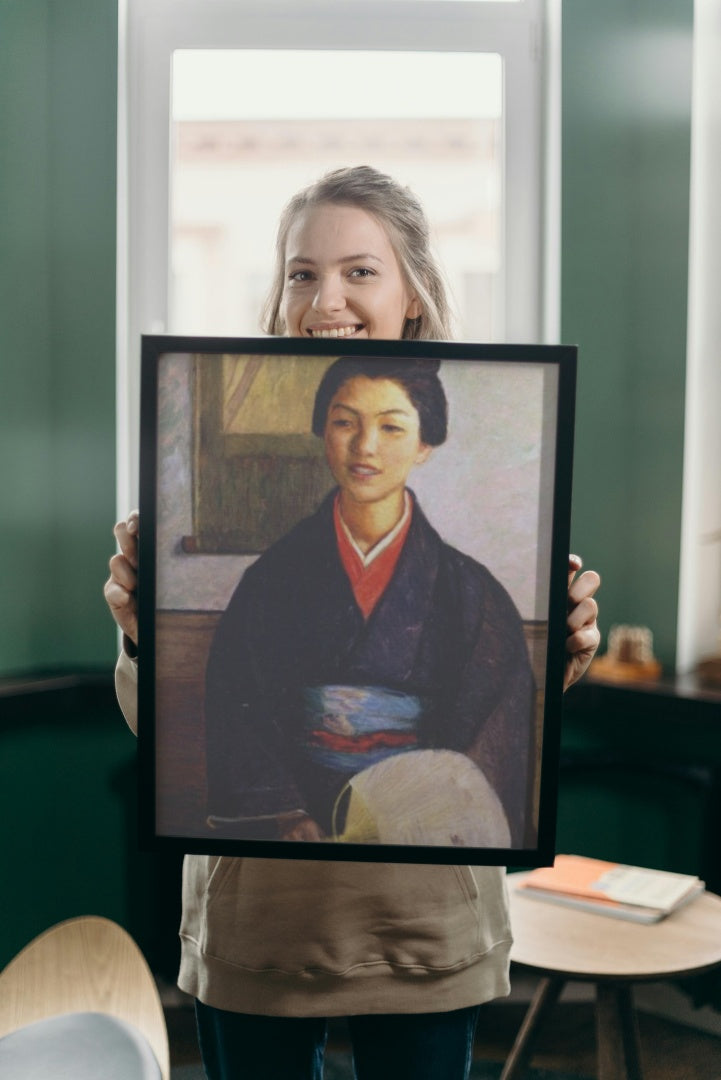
[(58, 71), (625, 200), (641, 779), (67, 773), (68, 804)]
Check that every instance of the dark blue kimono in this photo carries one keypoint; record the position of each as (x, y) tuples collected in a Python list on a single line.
[(445, 633)]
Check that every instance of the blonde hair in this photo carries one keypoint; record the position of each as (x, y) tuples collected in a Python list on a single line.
[(403, 217)]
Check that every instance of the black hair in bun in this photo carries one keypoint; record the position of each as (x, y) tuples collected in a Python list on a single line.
[(418, 377)]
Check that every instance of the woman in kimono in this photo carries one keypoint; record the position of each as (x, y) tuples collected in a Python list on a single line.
[(271, 948), (361, 635)]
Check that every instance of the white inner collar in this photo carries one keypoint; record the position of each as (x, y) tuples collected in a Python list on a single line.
[(367, 558)]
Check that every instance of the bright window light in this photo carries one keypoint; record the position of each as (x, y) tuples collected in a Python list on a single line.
[(434, 121), (223, 84)]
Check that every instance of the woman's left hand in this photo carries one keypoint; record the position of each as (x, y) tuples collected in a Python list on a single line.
[(302, 828), (582, 633)]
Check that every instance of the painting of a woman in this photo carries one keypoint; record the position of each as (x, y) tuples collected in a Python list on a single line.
[(361, 636)]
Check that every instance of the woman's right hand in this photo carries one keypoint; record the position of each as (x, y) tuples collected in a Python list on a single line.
[(121, 587)]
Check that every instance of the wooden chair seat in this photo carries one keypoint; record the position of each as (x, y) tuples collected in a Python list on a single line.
[(87, 965)]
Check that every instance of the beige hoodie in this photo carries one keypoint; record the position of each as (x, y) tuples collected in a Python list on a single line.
[(286, 937)]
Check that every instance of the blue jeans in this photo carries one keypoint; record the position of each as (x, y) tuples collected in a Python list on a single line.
[(414, 1046)]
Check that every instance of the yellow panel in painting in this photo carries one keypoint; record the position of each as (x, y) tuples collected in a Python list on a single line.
[(270, 395)]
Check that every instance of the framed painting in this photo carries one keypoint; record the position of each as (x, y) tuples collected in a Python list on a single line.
[(352, 597)]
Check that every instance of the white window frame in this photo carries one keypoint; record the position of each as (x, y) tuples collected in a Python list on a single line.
[(526, 34), (699, 596)]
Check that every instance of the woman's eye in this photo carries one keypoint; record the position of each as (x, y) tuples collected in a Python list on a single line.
[(341, 423), (300, 276), (362, 272), (392, 428)]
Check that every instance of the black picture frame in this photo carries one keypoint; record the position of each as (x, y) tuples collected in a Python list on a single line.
[(228, 415)]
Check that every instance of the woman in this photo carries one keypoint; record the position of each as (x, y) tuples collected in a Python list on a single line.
[(271, 948), (361, 635)]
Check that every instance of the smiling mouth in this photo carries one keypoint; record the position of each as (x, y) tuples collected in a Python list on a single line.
[(335, 331), (363, 470)]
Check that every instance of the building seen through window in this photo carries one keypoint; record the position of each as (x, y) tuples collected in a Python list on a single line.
[(231, 175)]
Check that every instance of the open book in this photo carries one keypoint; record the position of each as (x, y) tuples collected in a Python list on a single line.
[(608, 888)]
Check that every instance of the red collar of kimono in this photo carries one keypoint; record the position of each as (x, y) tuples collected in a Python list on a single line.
[(369, 576)]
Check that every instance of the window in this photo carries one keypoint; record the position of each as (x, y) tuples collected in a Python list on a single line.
[(235, 161), (447, 95)]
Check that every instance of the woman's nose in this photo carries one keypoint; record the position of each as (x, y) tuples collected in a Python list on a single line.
[(329, 296), (364, 441)]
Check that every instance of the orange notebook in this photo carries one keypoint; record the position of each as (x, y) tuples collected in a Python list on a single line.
[(631, 892)]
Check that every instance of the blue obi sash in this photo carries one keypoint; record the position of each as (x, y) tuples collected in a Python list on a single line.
[(349, 728)]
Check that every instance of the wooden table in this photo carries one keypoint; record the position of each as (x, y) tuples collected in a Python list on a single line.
[(563, 944)]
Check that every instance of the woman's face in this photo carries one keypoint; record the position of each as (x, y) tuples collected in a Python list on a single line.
[(342, 277), (372, 439)]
